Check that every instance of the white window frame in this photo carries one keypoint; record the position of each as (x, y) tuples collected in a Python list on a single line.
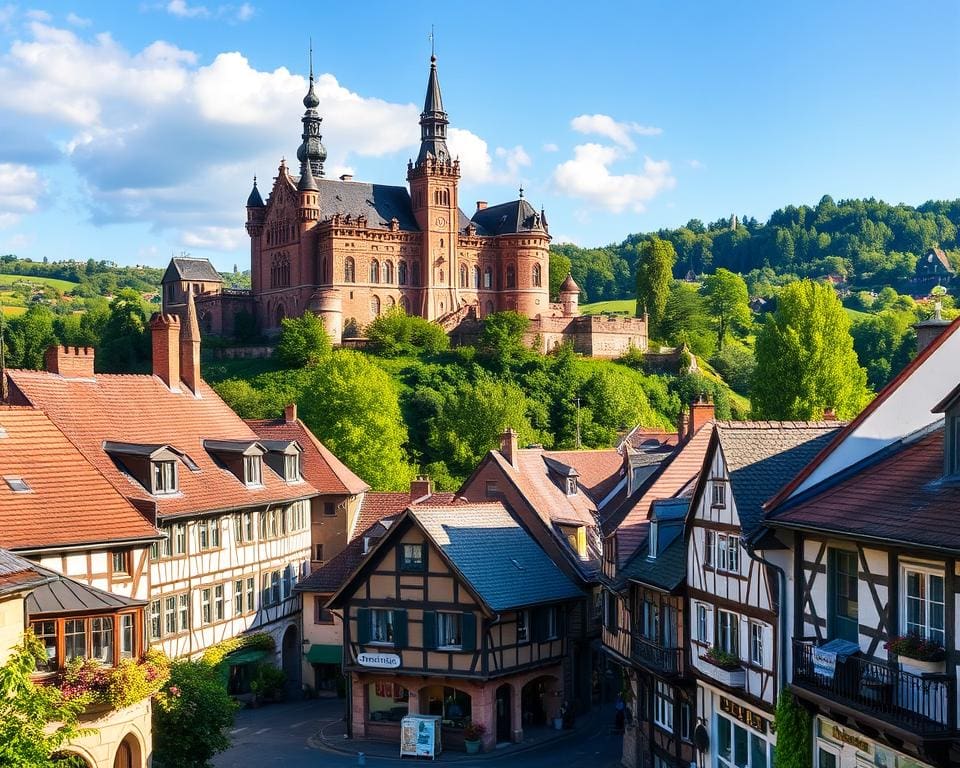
[(206, 606), (757, 632), (382, 616), (663, 706), (704, 624), (927, 631), (523, 627), (728, 638), (709, 548), (731, 762), (449, 630), (219, 603), (253, 471), (553, 623), (718, 494), (164, 478)]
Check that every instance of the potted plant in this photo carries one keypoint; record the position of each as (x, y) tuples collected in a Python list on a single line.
[(917, 653), (727, 667), (472, 734)]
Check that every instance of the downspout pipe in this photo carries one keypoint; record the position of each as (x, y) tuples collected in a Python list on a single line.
[(781, 611)]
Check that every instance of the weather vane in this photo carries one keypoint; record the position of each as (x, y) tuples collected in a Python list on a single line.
[(433, 52)]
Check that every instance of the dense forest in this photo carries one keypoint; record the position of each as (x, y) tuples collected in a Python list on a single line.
[(867, 243)]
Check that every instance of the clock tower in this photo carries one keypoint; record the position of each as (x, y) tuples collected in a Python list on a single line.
[(433, 180)]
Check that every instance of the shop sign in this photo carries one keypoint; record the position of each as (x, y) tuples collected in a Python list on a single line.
[(853, 739), (378, 660), (744, 715)]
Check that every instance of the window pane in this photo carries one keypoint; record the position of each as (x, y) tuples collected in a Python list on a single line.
[(723, 738), (46, 633), (758, 752), (127, 640), (75, 639), (739, 746)]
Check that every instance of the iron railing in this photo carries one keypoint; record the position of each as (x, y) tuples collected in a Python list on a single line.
[(668, 661), (921, 704)]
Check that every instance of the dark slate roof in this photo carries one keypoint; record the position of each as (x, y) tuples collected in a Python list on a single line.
[(511, 218), (495, 555), (255, 201), (18, 574), (182, 268), (762, 456), (379, 203), (63, 595), (667, 571), (897, 495)]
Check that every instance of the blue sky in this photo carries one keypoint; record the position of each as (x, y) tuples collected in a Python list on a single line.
[(131, 131)]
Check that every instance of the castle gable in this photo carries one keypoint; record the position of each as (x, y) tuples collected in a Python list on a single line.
[(508, 219)]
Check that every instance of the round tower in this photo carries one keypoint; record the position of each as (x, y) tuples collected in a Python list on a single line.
[(570, 297), (327, 304)]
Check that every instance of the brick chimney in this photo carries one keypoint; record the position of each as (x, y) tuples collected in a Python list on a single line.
[(165, 335), (481, 204), (508, 447), (70, 362), (682, 425), (290, 413), (190, 346), (701, 412), (928, 330), (346, 177), (420, 487)]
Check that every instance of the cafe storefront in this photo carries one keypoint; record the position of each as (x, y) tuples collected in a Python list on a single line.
[(839, 746), (740, 735)]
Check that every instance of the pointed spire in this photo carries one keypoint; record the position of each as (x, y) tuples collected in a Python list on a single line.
[(521, 192), (311, 148), (310, 101), (307, 181), (255, 201), (433, 120)]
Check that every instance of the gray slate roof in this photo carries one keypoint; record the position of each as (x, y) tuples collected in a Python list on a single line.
[(495, 555), (64, 595), (510, 218), (18, 574), (182, 268), (764, 456), (667, 572)]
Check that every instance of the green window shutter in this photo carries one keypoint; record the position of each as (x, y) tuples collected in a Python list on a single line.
[(429, 629), (468, 631), (539, 620), (363, 626), (400, 629), (399, 557)]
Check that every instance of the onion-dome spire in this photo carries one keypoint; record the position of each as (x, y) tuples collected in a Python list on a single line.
[(255, 201), (311, 149), (433, 121)]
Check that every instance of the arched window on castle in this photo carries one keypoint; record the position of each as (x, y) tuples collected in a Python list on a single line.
[(280, 271), (405, 305), (489, 309), (402, 272), (511, 276), (476, 276), (536, 276), (415, 273), (349, 270), (374, 271), (463, 275), (388, 272), (488, 277), (374, 307), (391, 302)]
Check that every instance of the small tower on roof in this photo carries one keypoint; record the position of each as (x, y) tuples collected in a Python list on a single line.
[(311, 149), (570, 297)]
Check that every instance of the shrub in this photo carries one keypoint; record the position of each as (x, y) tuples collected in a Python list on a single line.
[(303, 341), (395, 333), (722, 659), (117, 687), (269, 682)]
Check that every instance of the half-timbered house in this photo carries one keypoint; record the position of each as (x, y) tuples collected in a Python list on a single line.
[(457, 612), (733, 591), (234, 514)]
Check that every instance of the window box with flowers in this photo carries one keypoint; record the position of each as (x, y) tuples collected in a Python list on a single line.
[(724, 667), (917, 654), (114, 687)]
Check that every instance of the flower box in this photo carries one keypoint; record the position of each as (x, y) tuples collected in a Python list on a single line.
[(923, 667), (731, 677)]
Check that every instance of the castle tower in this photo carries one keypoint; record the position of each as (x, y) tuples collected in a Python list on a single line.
[(570, 297), (312, 149), (256, 215), (433, 191), (308, 211)]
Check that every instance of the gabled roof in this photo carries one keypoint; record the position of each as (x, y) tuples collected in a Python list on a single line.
[(902, 407), (185, 268), (675, 475), (935, 256), (70, 501), (495, 555), (597, 471), (319, 466), (142, 409), (761, 456), (898, 496), (515, 217), (63, 595)]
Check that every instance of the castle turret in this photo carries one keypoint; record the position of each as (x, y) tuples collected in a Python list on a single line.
[(570, 297), (309, 192), (433, 191)]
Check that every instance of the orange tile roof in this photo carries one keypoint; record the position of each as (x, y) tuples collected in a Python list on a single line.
[(378, 505), (600, 470), (141, 409), (321, 468), (676, 474), (70, 501)]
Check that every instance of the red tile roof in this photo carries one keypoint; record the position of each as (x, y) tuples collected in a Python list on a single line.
[(321, 468), (901, 497), (599, 470), (141, 409), (70, 502), (676, 475), (378, 505)]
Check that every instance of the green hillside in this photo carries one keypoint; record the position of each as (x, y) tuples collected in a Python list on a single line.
[(618, 306)]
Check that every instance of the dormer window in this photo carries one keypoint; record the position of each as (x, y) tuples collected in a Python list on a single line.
[(253, 470), (283, 457), (17, 484), (571, 486), (652, 539), (164, 477), (291, 467)]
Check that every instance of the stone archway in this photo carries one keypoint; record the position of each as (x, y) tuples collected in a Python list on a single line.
[(290, 657), (280, 313), (540, 700), (128, 754)]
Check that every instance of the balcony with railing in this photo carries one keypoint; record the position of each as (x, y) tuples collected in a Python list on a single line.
[(919, 704), (655, 657)]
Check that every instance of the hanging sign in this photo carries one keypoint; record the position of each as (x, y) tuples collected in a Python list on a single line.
[(378, 660)]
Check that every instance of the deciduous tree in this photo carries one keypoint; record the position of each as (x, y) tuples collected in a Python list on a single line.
[(303, 341), (727, 301), (654, 274)]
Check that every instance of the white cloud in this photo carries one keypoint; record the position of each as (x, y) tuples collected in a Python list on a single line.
[(606, 126), (38, 15), (588, 177), (559, 239), (20, 192), (550, 147), (245, 12), (77, 21), (215, 238), (696, 165), (476, 163), (181, 9)]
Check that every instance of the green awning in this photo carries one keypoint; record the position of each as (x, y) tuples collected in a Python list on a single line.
[(325, 654), (244, 657)]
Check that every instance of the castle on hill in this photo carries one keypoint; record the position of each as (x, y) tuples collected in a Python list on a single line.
[(349, 251)]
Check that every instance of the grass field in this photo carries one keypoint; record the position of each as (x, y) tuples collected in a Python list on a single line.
[(855, 314), (60, 285), (13, 311), (619, 305)]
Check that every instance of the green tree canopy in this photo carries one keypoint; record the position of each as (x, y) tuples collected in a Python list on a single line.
[(654, 275), (728, 302), (501, 341), (28, 336), (396, 333), (303, 341), (125, 339), (805, 358), (686, 321)]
